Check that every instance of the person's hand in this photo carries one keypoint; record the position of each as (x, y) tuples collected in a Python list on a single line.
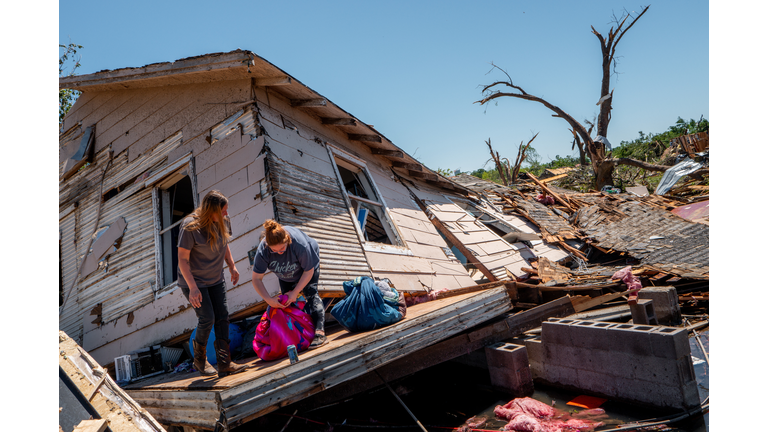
[(273, 302), (292, 296), (235, 275), (195, 297)]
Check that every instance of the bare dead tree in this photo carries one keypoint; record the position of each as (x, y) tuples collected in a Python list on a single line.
[(520, 158), (602, 163), (502, 165), (608, 47)]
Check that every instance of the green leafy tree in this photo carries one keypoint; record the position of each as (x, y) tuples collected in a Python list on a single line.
[(69, 61), (445, 172)]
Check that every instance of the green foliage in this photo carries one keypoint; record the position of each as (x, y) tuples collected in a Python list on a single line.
[(67, 97), (650, 147), (490, 175), (445, 172)]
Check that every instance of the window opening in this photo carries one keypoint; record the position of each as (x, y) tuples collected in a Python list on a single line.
[(370, 214), (176, 202)]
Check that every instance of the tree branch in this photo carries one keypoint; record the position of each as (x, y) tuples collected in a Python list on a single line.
[(637, 163)]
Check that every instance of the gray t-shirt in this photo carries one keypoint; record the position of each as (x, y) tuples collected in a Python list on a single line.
[(207, 265), (302, 254)]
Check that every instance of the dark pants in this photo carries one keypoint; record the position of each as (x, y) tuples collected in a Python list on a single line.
[(314, 306), (212, 313)]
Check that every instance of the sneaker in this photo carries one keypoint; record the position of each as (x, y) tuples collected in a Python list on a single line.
[(318, 341)]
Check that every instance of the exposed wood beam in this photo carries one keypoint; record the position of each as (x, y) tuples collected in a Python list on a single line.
[(297, 103), (363, 137), (407, 165), (423, 175), (273, 81), (340, 121)]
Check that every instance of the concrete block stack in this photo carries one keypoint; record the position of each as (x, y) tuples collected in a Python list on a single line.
[(644, 364), (509, 369)]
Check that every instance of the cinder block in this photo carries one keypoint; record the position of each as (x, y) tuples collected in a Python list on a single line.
[(666, 396), (598, 383), (561, 375), (589, 334), (509, 368), (658, 369), (643, 312), (629, 339), (665, 303), (562, 355), (670, 342), (535, 350), (557, 332)]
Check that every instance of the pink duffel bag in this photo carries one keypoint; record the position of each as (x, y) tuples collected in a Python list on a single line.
[(279, 328)]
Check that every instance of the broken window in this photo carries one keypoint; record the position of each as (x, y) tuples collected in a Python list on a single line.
[(174, 200), (365, 201)]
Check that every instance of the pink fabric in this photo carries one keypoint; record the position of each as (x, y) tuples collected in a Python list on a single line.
[(632, 281), (279, 328), (410, 301), (530, 415)]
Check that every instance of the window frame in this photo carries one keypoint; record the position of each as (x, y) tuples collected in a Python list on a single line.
[(398, 245), (163, 180)]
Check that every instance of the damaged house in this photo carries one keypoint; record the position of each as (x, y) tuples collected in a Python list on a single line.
[(141, 146)]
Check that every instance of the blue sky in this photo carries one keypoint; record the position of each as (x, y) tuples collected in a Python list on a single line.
[(414, 69)]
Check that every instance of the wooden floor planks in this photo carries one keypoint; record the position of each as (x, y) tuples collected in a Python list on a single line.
[(268, 385)]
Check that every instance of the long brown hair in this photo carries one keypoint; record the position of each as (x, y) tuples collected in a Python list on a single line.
[(203, 218), (275, 234)]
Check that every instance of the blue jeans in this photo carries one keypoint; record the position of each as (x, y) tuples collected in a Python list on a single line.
[(314, 306), (212, 313)]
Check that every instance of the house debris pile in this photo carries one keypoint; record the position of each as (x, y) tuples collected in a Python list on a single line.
[(604, 231)]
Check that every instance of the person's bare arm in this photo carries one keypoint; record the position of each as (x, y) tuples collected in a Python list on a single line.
[(231, 264), (258, 285), (195, 296)]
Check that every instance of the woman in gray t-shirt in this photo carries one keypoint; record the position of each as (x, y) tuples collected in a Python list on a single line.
[(293, 257), (203, 249)]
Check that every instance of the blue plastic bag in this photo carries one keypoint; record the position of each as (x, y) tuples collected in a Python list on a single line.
[(364, 307), (235, 340)]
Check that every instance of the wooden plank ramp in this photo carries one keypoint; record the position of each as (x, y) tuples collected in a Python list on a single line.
[(188, 399)]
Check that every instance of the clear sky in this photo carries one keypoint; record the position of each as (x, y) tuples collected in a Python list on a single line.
[(413, 69)]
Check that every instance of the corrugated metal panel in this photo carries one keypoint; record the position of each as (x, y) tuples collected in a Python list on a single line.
[(126, 282), (313, 203)]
